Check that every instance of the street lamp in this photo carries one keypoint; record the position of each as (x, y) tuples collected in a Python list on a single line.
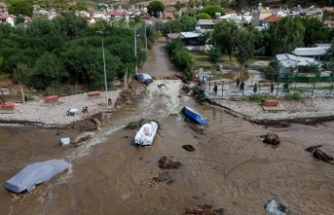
[(136, 35), (104, 65), (145, 39)]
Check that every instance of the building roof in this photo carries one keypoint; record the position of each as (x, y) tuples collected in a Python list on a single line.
[(311, 51), (288, 60), (190, 34), (271, 18), (206, 22)]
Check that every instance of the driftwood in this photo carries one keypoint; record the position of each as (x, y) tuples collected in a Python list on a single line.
[(204, 210), (322, 156), (317, 153), (312, 148), (189, 148)]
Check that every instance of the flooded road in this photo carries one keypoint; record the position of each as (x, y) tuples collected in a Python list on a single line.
[(230, 168), (158, 63)]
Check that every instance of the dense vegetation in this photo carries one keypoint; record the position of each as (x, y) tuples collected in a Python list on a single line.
[(67, 50), (241, 42)]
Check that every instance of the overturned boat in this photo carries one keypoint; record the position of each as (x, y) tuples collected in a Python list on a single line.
[(146, 134), (35, 174), (194, 115)]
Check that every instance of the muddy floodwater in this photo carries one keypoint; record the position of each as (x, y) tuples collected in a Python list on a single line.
[(230, 168)]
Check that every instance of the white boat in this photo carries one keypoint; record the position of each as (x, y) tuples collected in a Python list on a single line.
[(146, 133)]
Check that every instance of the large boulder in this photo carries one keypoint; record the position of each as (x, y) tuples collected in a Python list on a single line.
[(166, 163), (271, 138)]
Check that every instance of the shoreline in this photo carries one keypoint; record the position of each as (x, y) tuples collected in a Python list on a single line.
[(307, 111)]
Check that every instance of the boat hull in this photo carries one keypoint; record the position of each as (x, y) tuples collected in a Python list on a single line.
[(145, 135), (192, 114)]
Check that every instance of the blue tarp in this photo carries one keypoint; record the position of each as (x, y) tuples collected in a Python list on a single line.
[(34, 174)]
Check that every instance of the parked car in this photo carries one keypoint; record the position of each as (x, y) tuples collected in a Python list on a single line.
[(144, 78)]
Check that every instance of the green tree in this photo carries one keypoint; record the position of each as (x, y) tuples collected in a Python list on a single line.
[(203, 16), (314, 69), (48, 70), (225, 35), (173, 46), (21, 74), (315, 31), (214, 55), (212, 10), (155, 8), (245, 47), (178, 5), (286, 35), (19, 19), (22, 7), (191, 3), (183, 60)]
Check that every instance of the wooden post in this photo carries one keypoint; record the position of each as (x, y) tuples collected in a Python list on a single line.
[(223, 90), (330, 93)]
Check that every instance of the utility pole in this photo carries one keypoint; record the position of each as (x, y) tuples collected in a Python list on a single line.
[(135, 34), (104, 67), (145, 39)]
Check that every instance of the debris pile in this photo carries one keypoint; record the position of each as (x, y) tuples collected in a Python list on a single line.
[(204, 210), (275, 208), (317, 153)]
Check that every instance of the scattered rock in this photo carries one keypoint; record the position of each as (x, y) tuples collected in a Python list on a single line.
[(204, 210), (164, 176), (271, 138), (189, 148), (165, 163)]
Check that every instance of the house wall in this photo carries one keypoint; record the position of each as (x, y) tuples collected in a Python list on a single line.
[(199, 48)]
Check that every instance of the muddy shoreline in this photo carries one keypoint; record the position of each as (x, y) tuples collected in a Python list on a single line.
[(272, 122)]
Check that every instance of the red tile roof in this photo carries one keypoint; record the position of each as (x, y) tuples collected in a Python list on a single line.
[(271, 18)]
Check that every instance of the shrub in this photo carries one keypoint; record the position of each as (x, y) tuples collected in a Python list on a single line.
[(256, 97), (292, 96)]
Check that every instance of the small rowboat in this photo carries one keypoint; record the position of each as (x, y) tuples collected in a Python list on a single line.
[(192, 114), (146, 133)]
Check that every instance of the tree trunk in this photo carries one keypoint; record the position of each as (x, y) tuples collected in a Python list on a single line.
[(22, 93)]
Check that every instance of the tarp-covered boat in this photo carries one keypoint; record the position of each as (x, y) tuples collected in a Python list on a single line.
[(146, 133), (35, 174), (194, 115)]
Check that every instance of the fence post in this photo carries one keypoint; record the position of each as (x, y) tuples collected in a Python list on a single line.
[(313, 88), (252, 80), (223, 90), (330, 93)]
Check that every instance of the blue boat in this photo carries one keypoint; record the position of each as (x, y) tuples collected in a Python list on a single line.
[(192, 114)]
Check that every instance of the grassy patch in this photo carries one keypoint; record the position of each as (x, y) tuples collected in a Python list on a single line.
[(301, 90), (256, 97), (292, 96)]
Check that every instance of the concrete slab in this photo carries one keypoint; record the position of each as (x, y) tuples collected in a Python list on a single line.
[(279, 107)]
